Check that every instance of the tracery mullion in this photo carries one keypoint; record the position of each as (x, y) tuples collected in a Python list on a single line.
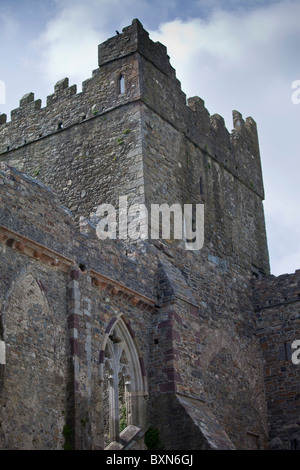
[(117, 349)]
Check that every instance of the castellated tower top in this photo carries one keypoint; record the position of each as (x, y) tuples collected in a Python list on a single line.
[(135, 38), (151, 78), (133, 88)]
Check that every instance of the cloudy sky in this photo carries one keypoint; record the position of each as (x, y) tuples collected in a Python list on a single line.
[(234, 54)]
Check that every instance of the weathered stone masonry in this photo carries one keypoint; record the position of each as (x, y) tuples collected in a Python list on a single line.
[(277, 304), (184, 341)]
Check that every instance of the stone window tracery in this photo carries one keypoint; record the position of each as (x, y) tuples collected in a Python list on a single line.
[(123, 385)]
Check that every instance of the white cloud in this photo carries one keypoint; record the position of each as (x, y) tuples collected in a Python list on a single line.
[(68, 46)]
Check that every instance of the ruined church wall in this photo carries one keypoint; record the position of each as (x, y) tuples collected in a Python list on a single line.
[(60, 298), (276, 301), (99, 309), (191, 336), (33, 380), (51, 376)]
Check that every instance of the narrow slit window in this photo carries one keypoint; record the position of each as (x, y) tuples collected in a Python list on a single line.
[(121, 84)]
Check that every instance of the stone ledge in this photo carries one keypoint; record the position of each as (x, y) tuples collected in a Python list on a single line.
[(116, 288), (34, 250), (127, 438)]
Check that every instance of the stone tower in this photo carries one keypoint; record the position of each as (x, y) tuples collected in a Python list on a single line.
[(141, 333)]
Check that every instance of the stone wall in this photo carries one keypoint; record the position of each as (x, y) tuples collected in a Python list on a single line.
[(179, 325), (57, 301), (33, 384), (277, 309), (176, 354), (205, 348)]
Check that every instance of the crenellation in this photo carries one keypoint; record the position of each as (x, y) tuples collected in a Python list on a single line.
[(244, 133), (272, 291), (28, 105), (201, 115), (28, 98), (118, 56), (220, 132), (135, 39), (238, 121), (62, 91), (61, 85)]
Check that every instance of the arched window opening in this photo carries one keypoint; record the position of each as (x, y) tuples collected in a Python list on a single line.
[(121, 84), (26, 313), (123, 385)]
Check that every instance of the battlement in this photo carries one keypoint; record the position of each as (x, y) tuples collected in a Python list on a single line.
[(135, 38), (152, 80), (271, 292), (65, 107), (132, 117)]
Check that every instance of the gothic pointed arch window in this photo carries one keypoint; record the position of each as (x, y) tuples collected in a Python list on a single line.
[(32, 345), (123, 383)]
